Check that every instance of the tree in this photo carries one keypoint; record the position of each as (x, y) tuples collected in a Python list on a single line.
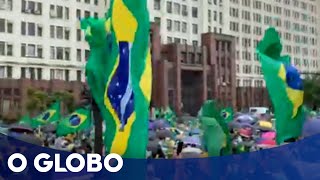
[(312, 91), (66, 98), (37, 101)]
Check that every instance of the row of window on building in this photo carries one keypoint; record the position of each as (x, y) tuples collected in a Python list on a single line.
[(36, 51), (257, 4), (176, 8), (35, 8), (248, 83), (37, 73)]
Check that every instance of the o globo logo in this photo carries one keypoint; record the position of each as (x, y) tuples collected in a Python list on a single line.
[(93, 163)]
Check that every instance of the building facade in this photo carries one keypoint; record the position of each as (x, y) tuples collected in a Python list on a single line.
[(183, 21), (185, 76), (42, 40)]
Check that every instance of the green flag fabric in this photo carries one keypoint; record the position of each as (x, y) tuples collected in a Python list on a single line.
[(119, 74), (284, 85), (26, 120), (227, 114), (213, 136), (52, 114), (211, 110), (75, 122)]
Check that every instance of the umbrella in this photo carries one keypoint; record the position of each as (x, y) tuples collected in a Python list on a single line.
[(195, 131), (152, 135), (311, 127), (192, 140), (164, 133), (153, 146), (161, 124), (49, 128), (187, 118), (20, 128), (269, 135), (29, 138), (151, 125)]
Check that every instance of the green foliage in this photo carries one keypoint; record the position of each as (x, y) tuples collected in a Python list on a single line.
[(312, 91), (39, 100)]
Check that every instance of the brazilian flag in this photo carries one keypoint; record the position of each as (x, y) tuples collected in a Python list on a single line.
[(227, 114), (50, 115), (75, 122), (284, 85), (119, 74)]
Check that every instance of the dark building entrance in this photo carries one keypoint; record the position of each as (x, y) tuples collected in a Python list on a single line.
[(192, 85)]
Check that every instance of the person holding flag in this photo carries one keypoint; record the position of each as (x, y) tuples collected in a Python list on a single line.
[(284, 85), (119, 74)]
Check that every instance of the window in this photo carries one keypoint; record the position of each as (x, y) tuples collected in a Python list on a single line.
[(31, 50), (95, 14), (184, 27), (67, 75), (52, 32), (86, 14), (87, 1), (177, 40), (184, 10), (39, 73), (86, 54), (176, 8), (157, 5), (66, 33), (79, 75), (32, 73), (52, 52), (169, 24), (194, 12), (2, 48), (31, 29), (78, 34), (157, 20), (23, 72), (6, 5), (169, 40), (59, 31), (177, 26), (39, 30), (59, 12), (9, 72), (169, 7), (2, 72), (9, 27), (78, 13), (194, 28), (79, 55), (2, 25), (66, 12), (9, 50), (59, 54), (67, 54)]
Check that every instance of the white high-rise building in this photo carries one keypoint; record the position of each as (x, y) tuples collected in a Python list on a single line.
[(42, 39), (183, 21)]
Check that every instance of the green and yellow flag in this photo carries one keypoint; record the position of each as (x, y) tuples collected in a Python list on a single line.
[(285, 87), (227, 114), (210, 115), (49, 116), (119, 74), (75, 122)]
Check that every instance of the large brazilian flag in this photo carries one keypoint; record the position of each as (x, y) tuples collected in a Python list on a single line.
[(284, 85), (119, 74)]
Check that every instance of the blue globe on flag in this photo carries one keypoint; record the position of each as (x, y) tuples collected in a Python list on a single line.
[(74, 120), (46, 116)]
